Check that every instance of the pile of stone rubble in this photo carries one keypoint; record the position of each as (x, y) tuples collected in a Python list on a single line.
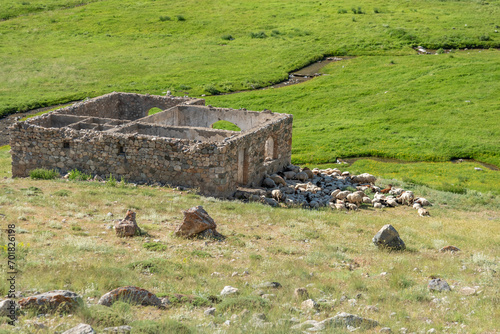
[(303, 187)]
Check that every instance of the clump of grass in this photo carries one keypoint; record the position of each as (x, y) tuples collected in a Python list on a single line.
[(211, 89), (227, 37), (165, 18), (163, 326), (342, 11), (240, 303), (154, 246), (111, 181), (180, 18), (376, 10), (44, 174), (76, 175), (260, 34), (62, 193), (357, 10)]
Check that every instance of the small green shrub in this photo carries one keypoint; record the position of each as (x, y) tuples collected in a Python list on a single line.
[(255, 257), (165, 18), (154, 246), (342, 11), (76, 175), (440, 51), (376, 10), (43, 174), (111, 181), (76, 228), (180, 18), (211, 89), (227, 37), (260, 34)]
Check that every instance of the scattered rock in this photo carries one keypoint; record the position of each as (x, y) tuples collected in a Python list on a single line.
[(210, 311), (132, 295), (388, 238), (80, 329), (452, 249), (309, 304), (119, 329), (268, 183), (8, 307), (346, 319), (301, 293), (385, 330), (438, 284), (229, 290), (57, 300), (127, 227), (196, 220)]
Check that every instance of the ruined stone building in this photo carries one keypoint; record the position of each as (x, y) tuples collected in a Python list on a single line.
[(113, 134)]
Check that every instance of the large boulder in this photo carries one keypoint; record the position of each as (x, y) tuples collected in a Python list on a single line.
[(130, 294), (388, 238), (196, 220), (127, 227), (57, 300), (438, 284), (80, 329)]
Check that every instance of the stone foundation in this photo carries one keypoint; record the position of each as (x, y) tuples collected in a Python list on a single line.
[(112, 134)]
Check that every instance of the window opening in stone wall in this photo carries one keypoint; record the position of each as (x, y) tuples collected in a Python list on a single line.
[(153, 111), (66, 144), (225, 125), (121, 150), (242, 166), (270, 149)]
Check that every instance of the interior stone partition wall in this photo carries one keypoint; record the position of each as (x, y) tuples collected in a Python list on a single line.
[(112, 134)]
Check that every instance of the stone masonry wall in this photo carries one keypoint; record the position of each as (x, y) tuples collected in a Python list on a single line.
[(214, 161), (126, 106)]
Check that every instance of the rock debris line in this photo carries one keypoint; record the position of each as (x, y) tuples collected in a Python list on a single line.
[(303, 187)]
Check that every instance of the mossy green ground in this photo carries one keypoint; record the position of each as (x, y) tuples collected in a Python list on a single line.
[(63, 243)]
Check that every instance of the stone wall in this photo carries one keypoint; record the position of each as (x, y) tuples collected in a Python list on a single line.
[(196, 156), (126, 106)]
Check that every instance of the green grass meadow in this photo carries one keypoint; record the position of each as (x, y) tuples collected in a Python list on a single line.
[(387, 102)]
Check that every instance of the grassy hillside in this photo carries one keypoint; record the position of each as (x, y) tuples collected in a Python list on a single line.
[(151, 46), (416, 108), (64, 243)]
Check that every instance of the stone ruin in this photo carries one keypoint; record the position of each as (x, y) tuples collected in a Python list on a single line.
[(113, 134)]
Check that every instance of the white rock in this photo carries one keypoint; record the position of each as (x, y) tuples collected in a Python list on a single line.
[(229, 290)]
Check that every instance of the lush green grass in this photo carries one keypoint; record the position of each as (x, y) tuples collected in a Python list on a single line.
[(414, 108), (12, 8), (43, 112), (122, 45)]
